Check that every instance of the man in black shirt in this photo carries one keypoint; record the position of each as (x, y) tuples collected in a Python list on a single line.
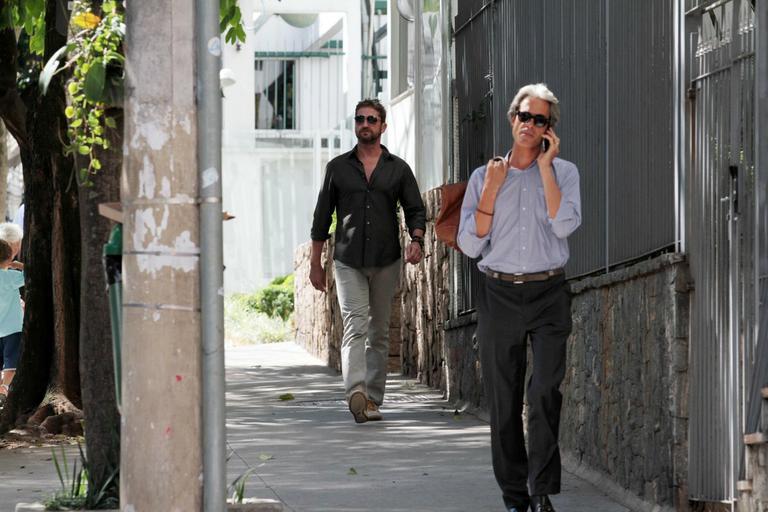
[(364, 187)]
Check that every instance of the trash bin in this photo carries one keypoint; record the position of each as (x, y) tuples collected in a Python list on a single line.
[(112, 257)]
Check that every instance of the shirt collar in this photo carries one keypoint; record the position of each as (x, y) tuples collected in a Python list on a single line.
[(384, 153), (535, 162)]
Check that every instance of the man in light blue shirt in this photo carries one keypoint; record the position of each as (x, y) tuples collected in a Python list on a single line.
[(516, 216)]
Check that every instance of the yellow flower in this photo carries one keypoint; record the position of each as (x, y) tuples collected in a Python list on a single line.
[(86, 20)]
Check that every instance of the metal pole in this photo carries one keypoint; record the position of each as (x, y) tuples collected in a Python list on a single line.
[(607, 138), (679, 122), (418, 96), (761, 150), (211, 254)]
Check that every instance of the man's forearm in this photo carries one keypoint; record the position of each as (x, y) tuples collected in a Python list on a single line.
[(485, 208), (317, 251), (552, 194)]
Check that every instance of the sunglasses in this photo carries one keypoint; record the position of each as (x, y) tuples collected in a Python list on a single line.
[(371, 119), (538, 119)]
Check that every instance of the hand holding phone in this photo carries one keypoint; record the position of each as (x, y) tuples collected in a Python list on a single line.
[(548, 152)]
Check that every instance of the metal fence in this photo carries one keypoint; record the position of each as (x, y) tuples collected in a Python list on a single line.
[(721, 223), (610, 64)]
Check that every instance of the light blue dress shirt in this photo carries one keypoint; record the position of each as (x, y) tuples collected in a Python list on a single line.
[(11, 315), (522, 237)]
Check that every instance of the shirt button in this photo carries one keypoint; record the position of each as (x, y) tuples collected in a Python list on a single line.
[(523, 208), (525, 190), (523, 229), (523, 247)]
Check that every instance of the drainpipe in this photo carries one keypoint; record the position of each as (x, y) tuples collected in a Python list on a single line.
[(211, 254)]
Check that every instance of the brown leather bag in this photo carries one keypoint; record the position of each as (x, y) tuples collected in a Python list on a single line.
[(447, 221)]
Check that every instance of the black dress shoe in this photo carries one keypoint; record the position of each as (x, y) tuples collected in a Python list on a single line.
[(541, 504), (517, 509)]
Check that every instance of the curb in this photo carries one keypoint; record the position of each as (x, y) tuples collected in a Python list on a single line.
[(251, 505)]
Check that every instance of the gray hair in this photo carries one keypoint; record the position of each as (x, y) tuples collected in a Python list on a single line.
[(540, 91), (11, 232)]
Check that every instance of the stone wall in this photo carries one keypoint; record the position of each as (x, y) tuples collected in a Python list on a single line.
[(625, 411), (424, 304), (317, 314)]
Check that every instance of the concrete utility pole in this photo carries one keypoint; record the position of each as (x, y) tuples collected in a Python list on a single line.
[(161, 450)]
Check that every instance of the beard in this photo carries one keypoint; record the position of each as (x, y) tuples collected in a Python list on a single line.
[(366, 135)]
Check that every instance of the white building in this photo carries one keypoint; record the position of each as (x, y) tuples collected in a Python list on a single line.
[(303, 67), (296, 78)]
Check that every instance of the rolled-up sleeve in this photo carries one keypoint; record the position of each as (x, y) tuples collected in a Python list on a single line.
[(410, 199), (326, 204), (467, 239), (568, 216)]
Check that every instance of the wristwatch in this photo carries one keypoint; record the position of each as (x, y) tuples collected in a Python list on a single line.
[(419, 240)]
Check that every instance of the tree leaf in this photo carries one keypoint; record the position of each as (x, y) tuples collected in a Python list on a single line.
[(86, 20), (50, 69), (94, 82)]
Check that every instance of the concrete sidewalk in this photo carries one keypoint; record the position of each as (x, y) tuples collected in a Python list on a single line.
[(309, 454)]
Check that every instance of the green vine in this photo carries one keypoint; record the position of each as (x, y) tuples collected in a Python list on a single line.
[(96, 83), (230, 21), (95, 55)]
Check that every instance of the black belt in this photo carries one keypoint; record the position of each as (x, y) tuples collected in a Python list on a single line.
[(519, 278)]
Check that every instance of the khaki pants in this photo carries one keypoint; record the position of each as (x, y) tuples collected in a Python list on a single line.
[(365, 297)]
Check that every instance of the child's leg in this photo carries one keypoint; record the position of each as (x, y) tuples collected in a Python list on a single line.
[(3, 386), (11, 346)]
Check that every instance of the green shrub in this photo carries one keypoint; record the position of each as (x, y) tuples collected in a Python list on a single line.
[(245, 325), (275, 300)]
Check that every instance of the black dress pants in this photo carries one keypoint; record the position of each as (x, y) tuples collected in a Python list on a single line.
[(508, 315)]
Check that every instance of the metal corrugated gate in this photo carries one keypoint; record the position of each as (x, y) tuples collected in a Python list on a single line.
[(610, 62), (721, 227)]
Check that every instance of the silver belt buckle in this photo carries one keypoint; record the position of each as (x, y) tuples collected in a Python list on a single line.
[(517, 274)]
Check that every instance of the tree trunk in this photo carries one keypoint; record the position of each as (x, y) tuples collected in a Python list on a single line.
[(3, 172), (66, 279), (102, 439), (46, 177)]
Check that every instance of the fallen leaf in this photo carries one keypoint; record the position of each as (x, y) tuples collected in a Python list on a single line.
[(265, 457), (352, 471), (287, 396)]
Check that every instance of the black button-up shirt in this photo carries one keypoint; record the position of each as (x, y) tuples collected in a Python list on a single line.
[(367, 228)]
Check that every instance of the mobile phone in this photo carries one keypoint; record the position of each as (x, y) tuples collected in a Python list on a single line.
[(544, 145)]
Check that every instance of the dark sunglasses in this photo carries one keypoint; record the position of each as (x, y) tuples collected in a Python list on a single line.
[(538, 119), (370, 119)]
